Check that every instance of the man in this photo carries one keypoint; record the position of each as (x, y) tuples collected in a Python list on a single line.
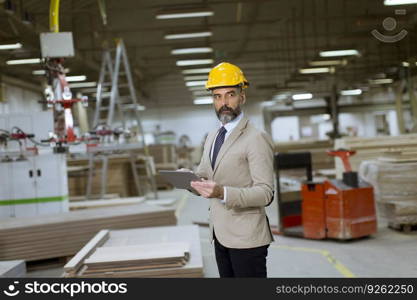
[(237, 163)]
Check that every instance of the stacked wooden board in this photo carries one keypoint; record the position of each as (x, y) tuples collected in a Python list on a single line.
[(12, 268), (373, 148), (395, 188), (170, 251), (318, 148), (64, 234)]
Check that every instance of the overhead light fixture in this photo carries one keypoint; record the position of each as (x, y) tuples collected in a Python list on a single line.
[(184, 14), (407, 64), (38, 72), (193, 62), (191, 50), (399, 2), (323, 63), (334, 53), (201, 93), (196, 77), (381, 81), (93, 90), (76, 78), (82, 84), (189, 35), (23, 61), (10, 46), (195, 83), (305, 96), (197, 88), (203, 100), (317, 70), (196, 71), (280, 97), (354, 92)]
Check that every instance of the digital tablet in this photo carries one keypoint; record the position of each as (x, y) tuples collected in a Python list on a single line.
[(180, 179)]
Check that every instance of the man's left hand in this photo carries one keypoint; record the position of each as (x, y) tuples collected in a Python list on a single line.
[(208, 189)]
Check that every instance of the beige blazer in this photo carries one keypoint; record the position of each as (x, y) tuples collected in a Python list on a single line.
[(244, 165)]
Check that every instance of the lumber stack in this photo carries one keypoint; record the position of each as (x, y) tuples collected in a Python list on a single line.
[(64, 234), (170, 251), (318, 148), (372, 148), (12, 268), (395, 188)]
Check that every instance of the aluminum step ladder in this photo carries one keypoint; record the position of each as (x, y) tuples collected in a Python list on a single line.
[(115, 75)]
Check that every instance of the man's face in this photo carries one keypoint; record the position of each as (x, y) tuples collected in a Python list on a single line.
[(227, 102)]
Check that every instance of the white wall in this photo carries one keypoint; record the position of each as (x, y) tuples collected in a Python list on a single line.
[(195, 121), (285, 129), (18, 100)]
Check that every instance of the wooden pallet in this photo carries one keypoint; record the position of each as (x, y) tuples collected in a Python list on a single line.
[(404, 227)]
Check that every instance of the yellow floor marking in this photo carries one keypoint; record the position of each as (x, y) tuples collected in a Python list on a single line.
[(181, 204), (335, 263)]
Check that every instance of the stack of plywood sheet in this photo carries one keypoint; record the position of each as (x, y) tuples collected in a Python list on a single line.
[(64, 234), (395, 188), (172, 251), (12, 268), (318, 148), (372, 148)]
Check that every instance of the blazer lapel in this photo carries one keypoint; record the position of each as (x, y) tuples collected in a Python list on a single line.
[(230, 140), (210, 140)]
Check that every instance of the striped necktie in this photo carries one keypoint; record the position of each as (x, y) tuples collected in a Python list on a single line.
[(218, 144)]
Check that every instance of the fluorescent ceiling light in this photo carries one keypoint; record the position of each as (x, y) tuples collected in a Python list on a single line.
[(201, 93), (323, 63), (38, 72), (316, 70), (23, 61), (197, 88), (188, 35), (195, 83), (399, 2), (10, 46), (192, 62), (82, 84), (191, 50), (93, 90), (349, 52), (305, 96), (354, 92), (203, 100), (196, 71), (407, 64), (381, 81), (76, 78), (196, 77), (281, 96), (184, 14)]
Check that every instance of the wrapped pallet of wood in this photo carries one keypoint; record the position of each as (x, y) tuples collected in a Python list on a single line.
[(395, 189), (372, 148), (169, 251)]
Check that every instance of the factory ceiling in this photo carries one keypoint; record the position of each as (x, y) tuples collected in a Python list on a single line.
[(271, 40)]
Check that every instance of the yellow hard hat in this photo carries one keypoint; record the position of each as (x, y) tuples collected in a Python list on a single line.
[(226, 74)]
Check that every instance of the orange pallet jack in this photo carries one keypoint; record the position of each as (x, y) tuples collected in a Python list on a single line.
[(336, 209)]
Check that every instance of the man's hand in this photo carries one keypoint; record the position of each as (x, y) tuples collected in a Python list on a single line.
[(208, 189)]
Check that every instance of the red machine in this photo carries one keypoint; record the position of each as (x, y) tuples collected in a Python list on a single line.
[(338, 209)]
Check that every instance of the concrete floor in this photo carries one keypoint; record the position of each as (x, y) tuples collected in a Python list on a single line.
[(387, 254)]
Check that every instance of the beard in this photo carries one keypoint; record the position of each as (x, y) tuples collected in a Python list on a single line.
[(227, 114)]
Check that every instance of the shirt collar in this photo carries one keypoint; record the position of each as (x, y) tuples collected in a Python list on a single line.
[(232, 124)]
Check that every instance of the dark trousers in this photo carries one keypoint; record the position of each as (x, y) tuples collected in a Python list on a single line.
[(232, 262)]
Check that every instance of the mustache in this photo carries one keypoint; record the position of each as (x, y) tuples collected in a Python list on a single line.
[(225, 108)]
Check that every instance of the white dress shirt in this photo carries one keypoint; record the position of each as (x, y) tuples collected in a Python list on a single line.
[(229, 127)]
